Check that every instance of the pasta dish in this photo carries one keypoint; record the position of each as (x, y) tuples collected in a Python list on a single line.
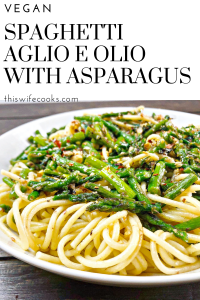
[(117, 193)]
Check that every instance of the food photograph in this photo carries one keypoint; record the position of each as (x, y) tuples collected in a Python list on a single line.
[(100, 198), (99, 150)]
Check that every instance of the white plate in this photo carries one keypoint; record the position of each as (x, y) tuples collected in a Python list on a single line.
[(14, 141)]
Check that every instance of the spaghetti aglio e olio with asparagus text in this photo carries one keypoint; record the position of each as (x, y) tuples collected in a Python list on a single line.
[(117, 193)]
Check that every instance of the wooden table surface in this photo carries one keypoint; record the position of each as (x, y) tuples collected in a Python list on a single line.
[(19, 280)]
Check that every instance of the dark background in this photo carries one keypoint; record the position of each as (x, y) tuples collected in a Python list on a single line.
[(19, 280)]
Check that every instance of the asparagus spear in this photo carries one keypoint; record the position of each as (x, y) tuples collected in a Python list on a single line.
[(80, 198), (36, 156), (142, 175), (188, 169), (108, 194), (118, 183), (182, 153), (195, 168), (148, 226), (96, 134), (124, 173), (5, 208), (168, 164), (24, 173), (99, 164), (100, 190), (121, 145), (61, 196), (89, 149), (62, 170), (12, 194), (48, 186), (109, 115), (128, 138), (156, 127), (40, 140), (52, 165), (166, 185), (168, 136), (155, 181), (32, 196), (47, 147), (70, 147), (154, 220), (21, 156), (72, 139), (91, 119), (182, 185), (114, 205), (53, 173), (189, 225), (86, 197), (137, 189), (8, 181), (92, 178), (99, 126), (95, 162), (74, 166)]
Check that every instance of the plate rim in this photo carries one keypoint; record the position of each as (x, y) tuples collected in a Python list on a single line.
[(104, 279)]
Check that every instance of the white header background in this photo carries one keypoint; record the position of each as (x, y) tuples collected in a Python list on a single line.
[(168, 31)]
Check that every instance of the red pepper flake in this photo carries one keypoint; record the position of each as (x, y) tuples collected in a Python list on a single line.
[(164, 184), (120, 167), (155, 174), (169, 146), (181, 169), (57, 143), (150, 141), (71, 164), (111, 176), (68, 141), (184, 200), (117, 171), (13, 239), (83, 130)]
